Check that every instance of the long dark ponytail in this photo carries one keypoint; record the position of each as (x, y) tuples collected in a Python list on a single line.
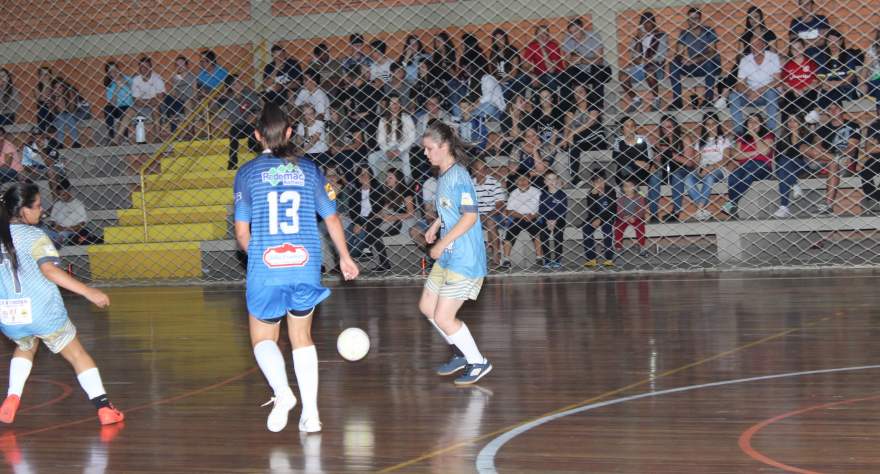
[(273, 126), (12, 200), (440, 132)]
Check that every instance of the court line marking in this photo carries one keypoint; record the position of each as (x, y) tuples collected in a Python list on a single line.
[(485, 462), (745, 439), (142, 407), (601, 396), (66, 390)]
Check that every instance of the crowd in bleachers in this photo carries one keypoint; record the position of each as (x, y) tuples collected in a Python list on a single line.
[(521, 107)]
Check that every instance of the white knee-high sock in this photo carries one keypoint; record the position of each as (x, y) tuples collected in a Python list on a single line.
[(90, 381), (272, 365), (19, 371), (465, 342), (305, 364), (445, 336)]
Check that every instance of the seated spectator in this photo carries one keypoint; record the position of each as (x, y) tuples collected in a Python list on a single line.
[(40, 156), (809, 26), (10, 159), (65, 108), (443, 57), (501, 53), (647, 61), (312, 94), (584, 131), (148, 91), (634, 155), (396, 135), (211, 73), (491, 103), (330, 70), (398, 209), (457, 88), (43, 97), (757, 26), (838, 71), (362, 99), (673, 160), (68, 218), (472, 55), (432, 110), (548, 118), (868, 173), (587, 67), (425, 87), (366, 226), (527, 151), (491, 201), (412, 57), (696, 55), (758, 77), (631, 211), (117, 90), (799, 80), (601, 213), (838, 139), (496, 148), (872, 70), (552, 212), (380, 68), (281, 76), (536, 174), (311, 136), (360, 52), (754, 161), (240, 111), (398, 85), (428, 216), (472, 127), (523, 206), (9, 99), (346, 142), (790, 162), (517, 79), (713, 152), (518, 118), (183, 89), (544, 56)]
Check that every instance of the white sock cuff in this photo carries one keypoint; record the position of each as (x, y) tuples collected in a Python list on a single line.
[(305, 353), (445, 336), (266, 346), (90, 380), (21, 361)]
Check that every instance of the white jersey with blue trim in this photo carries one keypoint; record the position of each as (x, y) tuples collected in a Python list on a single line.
[(455, 197), (30, 304)]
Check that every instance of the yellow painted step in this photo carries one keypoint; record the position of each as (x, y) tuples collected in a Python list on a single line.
[(183, 197), (145, 261), (181, 164), (194, 179), (166, 233), (173, 215), (205, 147)]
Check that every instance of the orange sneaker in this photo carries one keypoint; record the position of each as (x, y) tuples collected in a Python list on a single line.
[(110, 432), (110, 415), (10, 406)]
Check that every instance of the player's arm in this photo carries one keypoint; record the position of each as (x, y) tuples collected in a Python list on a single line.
[(243, 234), (431, 233), (46, 256), (242, 210), (349, 269)]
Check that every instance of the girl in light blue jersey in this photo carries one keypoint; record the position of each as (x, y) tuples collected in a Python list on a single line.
[(460, 254), (31, 308)]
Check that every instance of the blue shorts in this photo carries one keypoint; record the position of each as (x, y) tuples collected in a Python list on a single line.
[(270, 302)]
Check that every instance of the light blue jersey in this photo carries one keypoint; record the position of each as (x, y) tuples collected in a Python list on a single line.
[(30, 304), (280, 200), (455, 197)]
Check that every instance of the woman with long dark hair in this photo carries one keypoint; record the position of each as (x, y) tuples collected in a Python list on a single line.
[(412, 56), (790, 161), (395, 136), (117, 89), (43, 97), (673, 160), (584, 131), (711, 153), (9, 100), (366, 222), (33, 308), (277, 200), (460, 254), (755, 157)]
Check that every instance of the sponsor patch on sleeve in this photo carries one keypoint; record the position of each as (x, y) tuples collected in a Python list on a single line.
[(331, 193), (466, 199)]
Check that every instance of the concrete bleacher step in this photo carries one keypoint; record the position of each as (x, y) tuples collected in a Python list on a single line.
[(183, 198), (195, 179), (205, 147), (184, 164), (145, 261), (166, 233), (173, 215)]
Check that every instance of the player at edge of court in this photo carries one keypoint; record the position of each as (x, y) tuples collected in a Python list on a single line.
[(31, 307), (460, 254), (277, 199)]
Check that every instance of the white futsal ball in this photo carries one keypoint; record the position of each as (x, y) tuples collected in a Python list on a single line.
[(353, 344)]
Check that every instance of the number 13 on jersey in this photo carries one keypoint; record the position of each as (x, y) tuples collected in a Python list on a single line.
[(289, 201)]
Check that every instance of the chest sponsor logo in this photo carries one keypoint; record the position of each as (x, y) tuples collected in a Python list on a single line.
[(445, 203), (286, 255), (287, 174)]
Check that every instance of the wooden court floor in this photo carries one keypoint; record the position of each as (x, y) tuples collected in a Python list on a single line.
[(693, 373)]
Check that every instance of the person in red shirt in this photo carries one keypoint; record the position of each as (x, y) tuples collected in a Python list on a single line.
[(754, 160), (545, 57), (799, 80)]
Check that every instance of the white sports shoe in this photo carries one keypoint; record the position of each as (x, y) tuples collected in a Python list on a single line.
[(278, 416), (782, 213), (310, 424), (796, 191)]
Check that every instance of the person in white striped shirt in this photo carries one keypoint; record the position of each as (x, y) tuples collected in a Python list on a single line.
[(491, 200)]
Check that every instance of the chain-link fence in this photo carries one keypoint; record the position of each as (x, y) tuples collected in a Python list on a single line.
[(632, 135)]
